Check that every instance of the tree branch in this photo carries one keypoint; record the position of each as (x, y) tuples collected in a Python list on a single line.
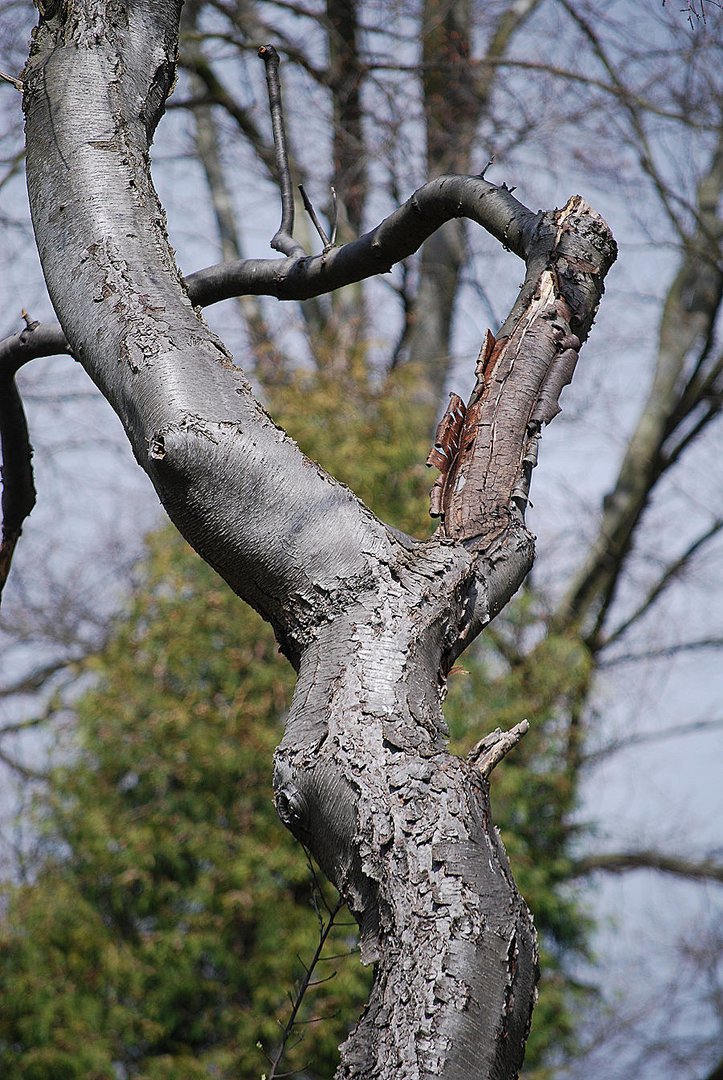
[(641, 738), (671, 572), (490, 751), (397, 237), (34, 681), (662, 651), (18, 495), (626, 861)]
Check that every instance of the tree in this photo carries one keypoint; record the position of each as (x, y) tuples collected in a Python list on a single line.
[(176, 741), (639, 111), (371, 620)]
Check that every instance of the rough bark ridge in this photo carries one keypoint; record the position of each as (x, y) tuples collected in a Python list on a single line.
[(372, 620)]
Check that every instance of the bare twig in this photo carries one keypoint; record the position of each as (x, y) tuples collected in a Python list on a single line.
[(663, 651), (24, 771), (32, 682), (672, 571), (675, 731), (666, 195), (334, 215), (308, 206), (283, 240)]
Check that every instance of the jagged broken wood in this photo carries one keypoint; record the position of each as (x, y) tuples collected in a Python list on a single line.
[(372, 620), (490, 750)]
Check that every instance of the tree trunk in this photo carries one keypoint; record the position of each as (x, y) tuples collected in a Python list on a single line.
[(371, 620)]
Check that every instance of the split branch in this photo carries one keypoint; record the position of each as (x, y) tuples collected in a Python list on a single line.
[(292, 278)]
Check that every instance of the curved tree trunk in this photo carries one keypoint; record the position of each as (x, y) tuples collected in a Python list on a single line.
[(371, 620)]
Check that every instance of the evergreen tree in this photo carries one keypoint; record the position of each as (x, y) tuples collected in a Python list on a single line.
[(159, 938)]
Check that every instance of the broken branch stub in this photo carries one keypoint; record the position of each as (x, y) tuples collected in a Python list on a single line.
[(490, 751), (521, 373)]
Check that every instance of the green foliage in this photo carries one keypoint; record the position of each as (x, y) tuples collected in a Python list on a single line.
[(162, 931), (370, 436), (159, 937)]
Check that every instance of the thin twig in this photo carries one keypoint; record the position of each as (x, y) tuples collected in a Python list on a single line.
[(283, 240), (675, 731), (674, 570), (334, 215), (308, 206), (308, 981), (663, 652)]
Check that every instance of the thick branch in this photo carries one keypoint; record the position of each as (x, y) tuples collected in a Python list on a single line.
[(18, 494), (397, 237), (300, 278), (520, 376)]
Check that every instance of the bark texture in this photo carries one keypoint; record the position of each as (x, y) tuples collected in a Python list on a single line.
[(371, 619)]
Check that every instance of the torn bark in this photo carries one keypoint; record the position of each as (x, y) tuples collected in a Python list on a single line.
[(371, 620)]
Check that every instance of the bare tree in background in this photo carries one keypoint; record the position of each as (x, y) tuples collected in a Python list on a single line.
[(622, 102), (371, 620)]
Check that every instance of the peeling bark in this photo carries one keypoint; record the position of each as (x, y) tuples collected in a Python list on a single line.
[(371, 620)]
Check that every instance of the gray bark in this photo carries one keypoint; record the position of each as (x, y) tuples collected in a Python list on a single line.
[(371, 620)]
